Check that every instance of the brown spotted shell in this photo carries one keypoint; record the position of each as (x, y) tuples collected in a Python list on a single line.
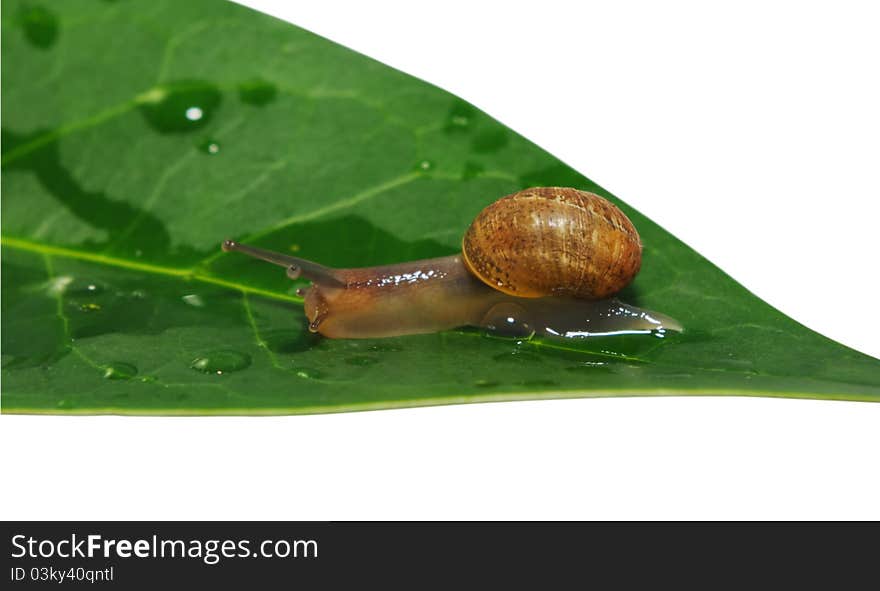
[(553, 241)]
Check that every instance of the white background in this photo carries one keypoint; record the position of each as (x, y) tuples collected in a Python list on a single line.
[(751, 131)]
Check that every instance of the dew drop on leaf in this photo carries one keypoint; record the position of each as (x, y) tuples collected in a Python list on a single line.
[(287, 341), (309, 373), (194, 300), (40, 26), (179, 107), (119, 370), (221, 361), (506, 319), (84, 287), (460, 116), (209, 147)]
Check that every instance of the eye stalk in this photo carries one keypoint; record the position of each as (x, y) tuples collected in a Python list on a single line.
[(296, 267)]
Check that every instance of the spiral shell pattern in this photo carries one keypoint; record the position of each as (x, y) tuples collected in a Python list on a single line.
[(553, 241)]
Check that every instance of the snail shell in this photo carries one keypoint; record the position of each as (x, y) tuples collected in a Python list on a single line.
[(553, 241)]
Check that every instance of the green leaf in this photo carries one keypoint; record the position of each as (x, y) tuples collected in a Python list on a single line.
[(137, 136)]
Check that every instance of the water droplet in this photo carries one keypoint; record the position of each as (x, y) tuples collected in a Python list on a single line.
[(182, 106), (362, 360), (194, 300), (507, 319), (119, 370), (288, 341), (425, 165), (486, 383), (221, 361), (65, 403), (209, 147), (257, 92), (309, 373), (40, 26), (90, 307), (58, 285), (84, 287), (459, 118), (138, 294), (147, 379)]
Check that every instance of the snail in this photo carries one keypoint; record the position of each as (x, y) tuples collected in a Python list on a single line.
[(544, 260)]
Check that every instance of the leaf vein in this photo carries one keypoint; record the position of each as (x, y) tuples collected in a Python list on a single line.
[(102, 259)]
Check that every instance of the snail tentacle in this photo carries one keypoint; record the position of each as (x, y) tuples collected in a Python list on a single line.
[(295, 266)]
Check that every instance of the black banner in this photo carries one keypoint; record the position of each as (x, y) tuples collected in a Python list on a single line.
[(329, 555)]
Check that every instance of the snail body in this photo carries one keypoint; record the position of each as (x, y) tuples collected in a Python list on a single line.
[(543, 260)]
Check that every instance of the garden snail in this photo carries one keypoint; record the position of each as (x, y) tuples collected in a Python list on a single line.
[(542, 260)]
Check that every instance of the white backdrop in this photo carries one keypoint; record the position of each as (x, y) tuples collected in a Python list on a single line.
[(751, 131)]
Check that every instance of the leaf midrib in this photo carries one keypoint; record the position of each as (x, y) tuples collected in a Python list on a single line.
[(102, 259)]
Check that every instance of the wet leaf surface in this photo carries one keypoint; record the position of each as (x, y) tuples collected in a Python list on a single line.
[(137, 136)]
